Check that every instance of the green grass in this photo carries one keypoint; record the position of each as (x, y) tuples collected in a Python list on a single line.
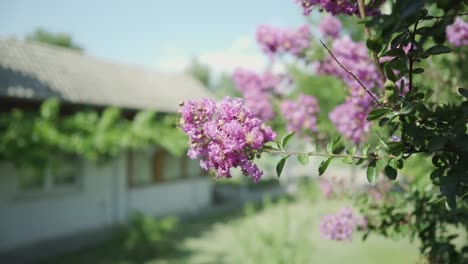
[(281, 232)]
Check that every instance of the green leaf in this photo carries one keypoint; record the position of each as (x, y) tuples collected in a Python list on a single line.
[(438, 49), (50, 109), (396, 52), (463, 91), (348, 160), (374, 45), (324, 165), (286, 139), (303, 159), (395, 148), (437, 173), (398, 39), (377, 113), (280, 165), (351, 151), (398, 64), (383, 144), (360, 161), (406, 109), (271, 145), (390, 172), (372, 173), (418, 71), (384, 121), (399, 163), (436, 199), (390, 74), (365, 150), (331, 146), (436, 143)]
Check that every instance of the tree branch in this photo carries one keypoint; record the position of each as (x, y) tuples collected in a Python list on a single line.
[(362, 12), (375, 99), (318, 154)]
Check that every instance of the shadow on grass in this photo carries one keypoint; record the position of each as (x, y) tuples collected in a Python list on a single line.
[(150, 244)]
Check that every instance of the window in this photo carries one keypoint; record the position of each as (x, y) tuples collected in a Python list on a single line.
[(148, 167), (64, 174)]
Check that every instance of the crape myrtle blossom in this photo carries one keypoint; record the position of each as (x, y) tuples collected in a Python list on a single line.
[(277, 40), (224, 135), (260, 104), (349, 118), (268, 38), (330, 26), (327, 188), (257, 90), (300, 114), (347, 7), (457, 33), (340, 226), (247, 80)]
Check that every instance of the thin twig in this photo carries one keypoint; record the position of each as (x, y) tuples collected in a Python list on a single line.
[(362, 12), (375, 99), (410, 56)]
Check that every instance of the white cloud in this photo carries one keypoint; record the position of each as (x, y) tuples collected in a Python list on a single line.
[(243, 52)]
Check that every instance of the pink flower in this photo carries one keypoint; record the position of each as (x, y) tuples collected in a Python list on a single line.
[(330, 26), (348, 7), (257, 90), (340, 226), (327, 188), (457, 33), (276, 40), (301, 114), (224, 135)]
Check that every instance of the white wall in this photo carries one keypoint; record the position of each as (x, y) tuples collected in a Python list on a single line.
[(101, 199), (31, 217), (171, 197)]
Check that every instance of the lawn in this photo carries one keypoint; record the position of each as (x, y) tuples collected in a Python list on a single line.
[(285, 231)]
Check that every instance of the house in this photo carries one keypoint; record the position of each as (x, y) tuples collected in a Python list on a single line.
[(86, 197)]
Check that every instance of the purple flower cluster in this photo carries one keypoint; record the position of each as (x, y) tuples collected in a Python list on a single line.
[(349, 118), (348, 7), (327, 188), (330, 26), (256, 90), (301, 114), (276, 40), (224, 135), (340, 226), (457, 33), (247, 81)]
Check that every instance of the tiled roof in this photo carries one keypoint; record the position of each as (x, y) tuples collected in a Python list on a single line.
[(38, 71)]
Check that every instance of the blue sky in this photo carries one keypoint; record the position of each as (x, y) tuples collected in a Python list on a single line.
[(158, 34)]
